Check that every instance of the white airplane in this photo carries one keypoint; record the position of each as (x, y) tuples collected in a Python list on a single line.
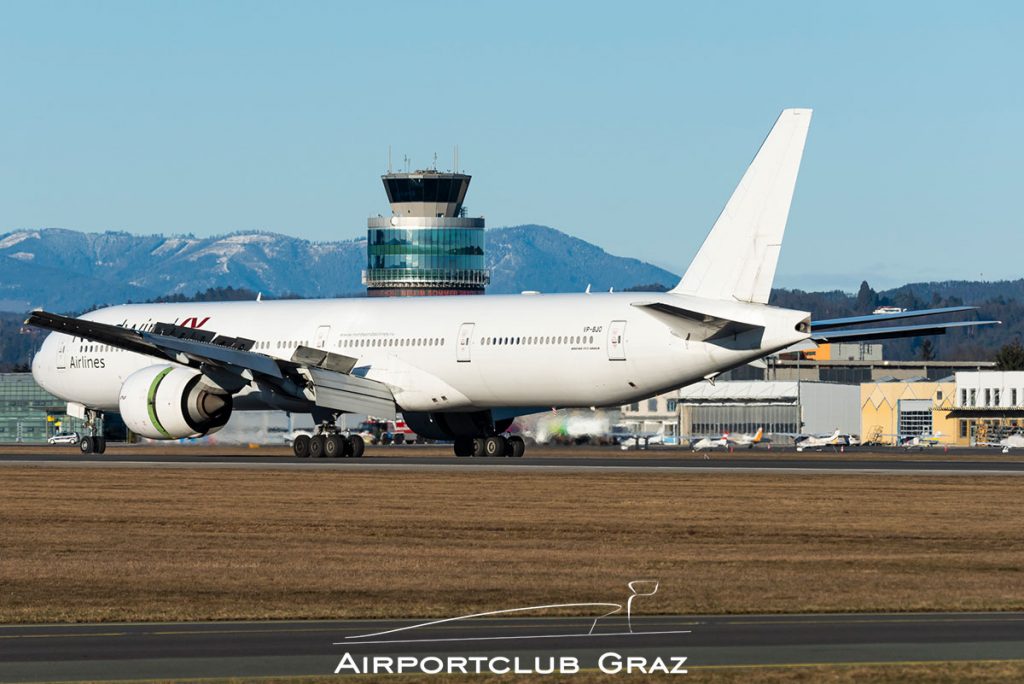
[(747, 440), (709, 443), (458, 368), (1014, 441), (921, 441), (642, 440), (818, 442), (727, 441)]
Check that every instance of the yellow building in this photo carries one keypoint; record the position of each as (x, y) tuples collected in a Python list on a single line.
[(888, 409)]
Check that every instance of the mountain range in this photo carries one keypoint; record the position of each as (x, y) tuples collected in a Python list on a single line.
[(71, 271), (68, 270)]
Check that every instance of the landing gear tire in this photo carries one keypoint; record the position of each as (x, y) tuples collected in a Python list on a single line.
[(335, 446), (85, 445), (356, 446), (516, 447), (300, 446), (464, 446), (99, 444), (316, 446), (495, 446), (478, 447)]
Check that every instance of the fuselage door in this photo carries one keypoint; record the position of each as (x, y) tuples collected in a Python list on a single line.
[(62, 355), (464, 342), (322, 335), (617, 341)]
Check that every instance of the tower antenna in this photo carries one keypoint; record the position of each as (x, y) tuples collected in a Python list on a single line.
[(389, 158)]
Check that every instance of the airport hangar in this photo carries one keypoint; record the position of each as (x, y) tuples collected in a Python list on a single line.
[(873, 398)]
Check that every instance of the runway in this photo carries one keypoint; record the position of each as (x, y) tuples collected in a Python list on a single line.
[(251, 649), (942, 464)]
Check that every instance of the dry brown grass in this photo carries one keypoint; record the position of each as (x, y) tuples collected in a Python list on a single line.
[(132, 544), (978, 672)]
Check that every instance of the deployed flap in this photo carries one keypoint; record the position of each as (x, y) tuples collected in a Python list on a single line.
[(308, 356), (352, 394)]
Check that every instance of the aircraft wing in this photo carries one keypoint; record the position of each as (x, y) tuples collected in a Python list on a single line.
[(829, 323), (312, 374), (856, 334), (831, 329)]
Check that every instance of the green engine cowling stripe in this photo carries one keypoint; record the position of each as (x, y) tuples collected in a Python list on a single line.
[(151, 402)]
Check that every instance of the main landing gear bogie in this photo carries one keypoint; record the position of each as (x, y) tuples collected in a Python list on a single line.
[(92, 445), (495, 446), (329, 445)]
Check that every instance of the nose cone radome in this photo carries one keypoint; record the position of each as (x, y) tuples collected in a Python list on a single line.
[(42, 364)]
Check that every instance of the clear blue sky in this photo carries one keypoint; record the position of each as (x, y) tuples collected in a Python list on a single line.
[(625, 124)]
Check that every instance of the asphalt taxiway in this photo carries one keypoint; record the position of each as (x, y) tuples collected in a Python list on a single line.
[(792, 463), (250, 649)]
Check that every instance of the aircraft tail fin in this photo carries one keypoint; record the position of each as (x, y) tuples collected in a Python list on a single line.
[(738, 258)]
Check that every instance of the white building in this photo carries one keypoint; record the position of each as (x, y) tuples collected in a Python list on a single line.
[(990, 389), (745, 406)]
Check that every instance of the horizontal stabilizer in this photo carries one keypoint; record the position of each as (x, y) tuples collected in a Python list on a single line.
[(830, 323), (859, 334)]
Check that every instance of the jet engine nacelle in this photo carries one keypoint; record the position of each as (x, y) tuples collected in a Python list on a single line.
[(171, 402)]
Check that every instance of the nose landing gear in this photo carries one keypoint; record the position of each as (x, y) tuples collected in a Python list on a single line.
[(92, 443)]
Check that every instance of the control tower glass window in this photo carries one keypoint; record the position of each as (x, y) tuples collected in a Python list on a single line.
[(423, 189), (427, 248)]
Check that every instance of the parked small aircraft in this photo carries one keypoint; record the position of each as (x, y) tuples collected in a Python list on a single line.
[(1014, 441), (727, 441), (819, 442), (921, 441)]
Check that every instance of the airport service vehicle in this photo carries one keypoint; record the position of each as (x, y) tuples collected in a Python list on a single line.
[(64, 438), (887, 310), (458, 368), (377, 431)]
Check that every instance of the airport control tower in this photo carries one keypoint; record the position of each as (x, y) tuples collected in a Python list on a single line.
[(427, 246)]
